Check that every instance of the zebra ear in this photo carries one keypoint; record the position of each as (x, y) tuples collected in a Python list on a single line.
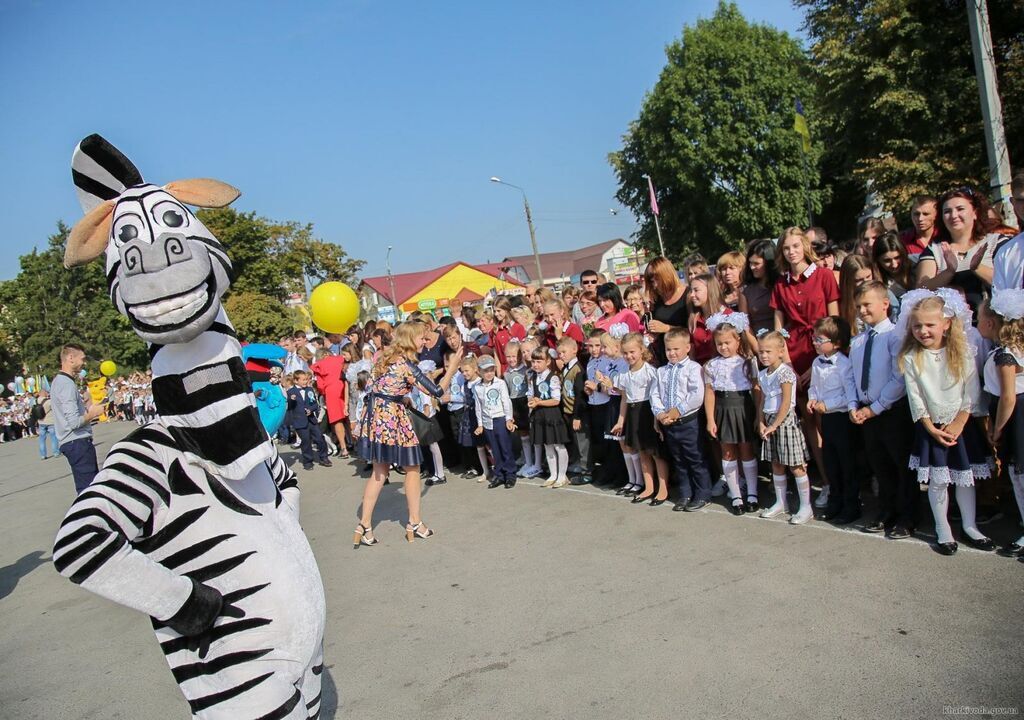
[(203, 192), (90, 236)]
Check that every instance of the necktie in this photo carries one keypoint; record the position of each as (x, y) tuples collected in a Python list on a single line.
[(865, 372), (670, 401)]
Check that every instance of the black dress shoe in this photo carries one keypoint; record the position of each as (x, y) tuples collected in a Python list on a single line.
[(307, 466), (874, 527), (580, 480), (622, 490), (495, 483), (640, 498), (655, 502), (751, 506), (949, 548), (899, 532), (1011, 550), (325, 463), (846, 519), (736, 508), (695, 505), (679, 506), (985, 544), (510, 483)]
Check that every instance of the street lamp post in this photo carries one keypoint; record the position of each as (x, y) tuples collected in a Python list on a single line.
[(529, 222), (391, 283)]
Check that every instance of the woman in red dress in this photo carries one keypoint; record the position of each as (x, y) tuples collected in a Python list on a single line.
[(329, 371), (803, 294)]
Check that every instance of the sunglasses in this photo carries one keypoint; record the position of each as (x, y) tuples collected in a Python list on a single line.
[(588, 282)]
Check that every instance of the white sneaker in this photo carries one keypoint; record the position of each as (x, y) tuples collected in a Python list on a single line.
[(801, 517), (774, 511), (822, 500), (550, 482), (718, 489), (561, 482), (530, 471)]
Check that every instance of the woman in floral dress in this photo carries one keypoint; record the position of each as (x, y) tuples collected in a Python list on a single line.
[(386, 436)]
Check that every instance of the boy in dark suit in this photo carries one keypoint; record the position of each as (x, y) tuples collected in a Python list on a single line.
[(302, 411)]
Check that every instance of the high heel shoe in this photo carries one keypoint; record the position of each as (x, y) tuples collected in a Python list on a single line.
[(419, 530), (640, 498), (360, 538)]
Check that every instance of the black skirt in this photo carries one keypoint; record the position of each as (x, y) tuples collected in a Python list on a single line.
[(639, 429), (547, 427), (734, 416), (521, 413), (961, 464), (1011, 440)]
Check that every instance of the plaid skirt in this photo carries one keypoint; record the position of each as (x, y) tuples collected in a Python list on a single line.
[(786, 446)]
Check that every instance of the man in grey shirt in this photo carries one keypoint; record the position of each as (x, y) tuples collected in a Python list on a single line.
[(71, 417)]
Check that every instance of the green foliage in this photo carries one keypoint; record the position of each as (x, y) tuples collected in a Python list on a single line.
[(47, 305), (258, 317), (277, 259), (716, 136), (898, 97)]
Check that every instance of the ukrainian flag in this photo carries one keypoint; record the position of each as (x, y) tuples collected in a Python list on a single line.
[(800, 125)]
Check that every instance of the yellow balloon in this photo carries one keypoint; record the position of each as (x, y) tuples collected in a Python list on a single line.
[(334, 307), (108, 368)]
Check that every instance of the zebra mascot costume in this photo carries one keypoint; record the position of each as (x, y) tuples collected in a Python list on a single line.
[(193, 519)]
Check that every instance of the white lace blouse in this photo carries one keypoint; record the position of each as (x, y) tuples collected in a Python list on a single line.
[(932, 390), (728, 373), (771, 387)]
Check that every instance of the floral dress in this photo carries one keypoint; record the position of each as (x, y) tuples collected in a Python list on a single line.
[(385, 431)]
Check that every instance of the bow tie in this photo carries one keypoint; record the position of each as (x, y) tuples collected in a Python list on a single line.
[(826, 361)]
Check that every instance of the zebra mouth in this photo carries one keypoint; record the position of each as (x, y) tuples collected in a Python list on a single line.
[(175, 311)]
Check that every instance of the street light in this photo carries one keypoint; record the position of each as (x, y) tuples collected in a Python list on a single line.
[(391, 282), (529, 222)]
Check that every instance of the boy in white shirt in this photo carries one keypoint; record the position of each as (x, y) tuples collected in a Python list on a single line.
[(494, 420), (832, 393)]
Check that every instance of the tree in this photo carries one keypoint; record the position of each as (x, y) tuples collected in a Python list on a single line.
[(899, 99), (276, 259), (716, 136), (258, 317), (47, 305)]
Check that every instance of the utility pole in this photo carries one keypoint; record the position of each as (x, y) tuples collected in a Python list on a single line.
[(391, 285), (533, 240), (991, 109)]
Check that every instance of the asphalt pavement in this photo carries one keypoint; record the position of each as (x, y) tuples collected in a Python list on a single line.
[(542, 603)]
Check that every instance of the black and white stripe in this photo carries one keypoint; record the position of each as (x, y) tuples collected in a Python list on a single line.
[(101, 172)]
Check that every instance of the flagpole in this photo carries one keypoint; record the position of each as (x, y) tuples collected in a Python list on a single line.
[(807, 189), (654, 211)]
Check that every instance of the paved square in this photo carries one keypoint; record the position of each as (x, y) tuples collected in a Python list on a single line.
[(550, 604)]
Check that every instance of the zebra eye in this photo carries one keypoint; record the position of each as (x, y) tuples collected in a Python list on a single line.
[(170, 214), (127, 228)]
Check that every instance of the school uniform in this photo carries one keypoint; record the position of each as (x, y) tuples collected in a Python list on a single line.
[(604, 452), (493, 407), (832, 383), (457, 403), (889, 434), (730, 379), (1011, 440), (546, 424), (786, 446), (638, 430), (681, 386), (573, 407), (302, 411)]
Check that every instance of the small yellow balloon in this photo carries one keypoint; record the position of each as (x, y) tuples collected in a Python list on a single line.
[(108, 368), (334, 307)]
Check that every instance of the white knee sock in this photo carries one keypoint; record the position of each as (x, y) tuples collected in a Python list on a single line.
[(549, 452), (630, 468), (750, 475), (638, 469), (484, 465), (803, 490), (527, 451), (938, 498), (1017, 480), (731, 470), (538, 452), (561, 461), (966, 499), (779, 481), (435, 453)]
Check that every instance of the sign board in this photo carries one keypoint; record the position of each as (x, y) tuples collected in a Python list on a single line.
[(428, 304), (386, 313)]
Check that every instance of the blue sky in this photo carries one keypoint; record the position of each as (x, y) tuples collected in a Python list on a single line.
[(378, 122)]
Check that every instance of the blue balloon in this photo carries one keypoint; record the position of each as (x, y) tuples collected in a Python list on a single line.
[(263, 351), (271, 404)]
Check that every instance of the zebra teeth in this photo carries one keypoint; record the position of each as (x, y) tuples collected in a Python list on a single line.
[(171, 310)]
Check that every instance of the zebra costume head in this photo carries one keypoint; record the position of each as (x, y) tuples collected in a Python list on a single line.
[(166, 272)]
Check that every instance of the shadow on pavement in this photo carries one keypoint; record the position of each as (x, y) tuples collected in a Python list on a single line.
[(328, 696), (11, 574)]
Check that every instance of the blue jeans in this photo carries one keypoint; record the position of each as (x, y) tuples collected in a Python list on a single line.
[(81, 457), (45, 430)]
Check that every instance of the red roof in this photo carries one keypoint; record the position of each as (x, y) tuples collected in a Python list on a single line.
[(565, 263), (408, 284)]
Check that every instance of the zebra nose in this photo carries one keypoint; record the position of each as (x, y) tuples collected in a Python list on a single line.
[(142, 257)]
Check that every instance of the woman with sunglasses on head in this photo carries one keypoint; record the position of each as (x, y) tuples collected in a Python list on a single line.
[(962, 257)]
